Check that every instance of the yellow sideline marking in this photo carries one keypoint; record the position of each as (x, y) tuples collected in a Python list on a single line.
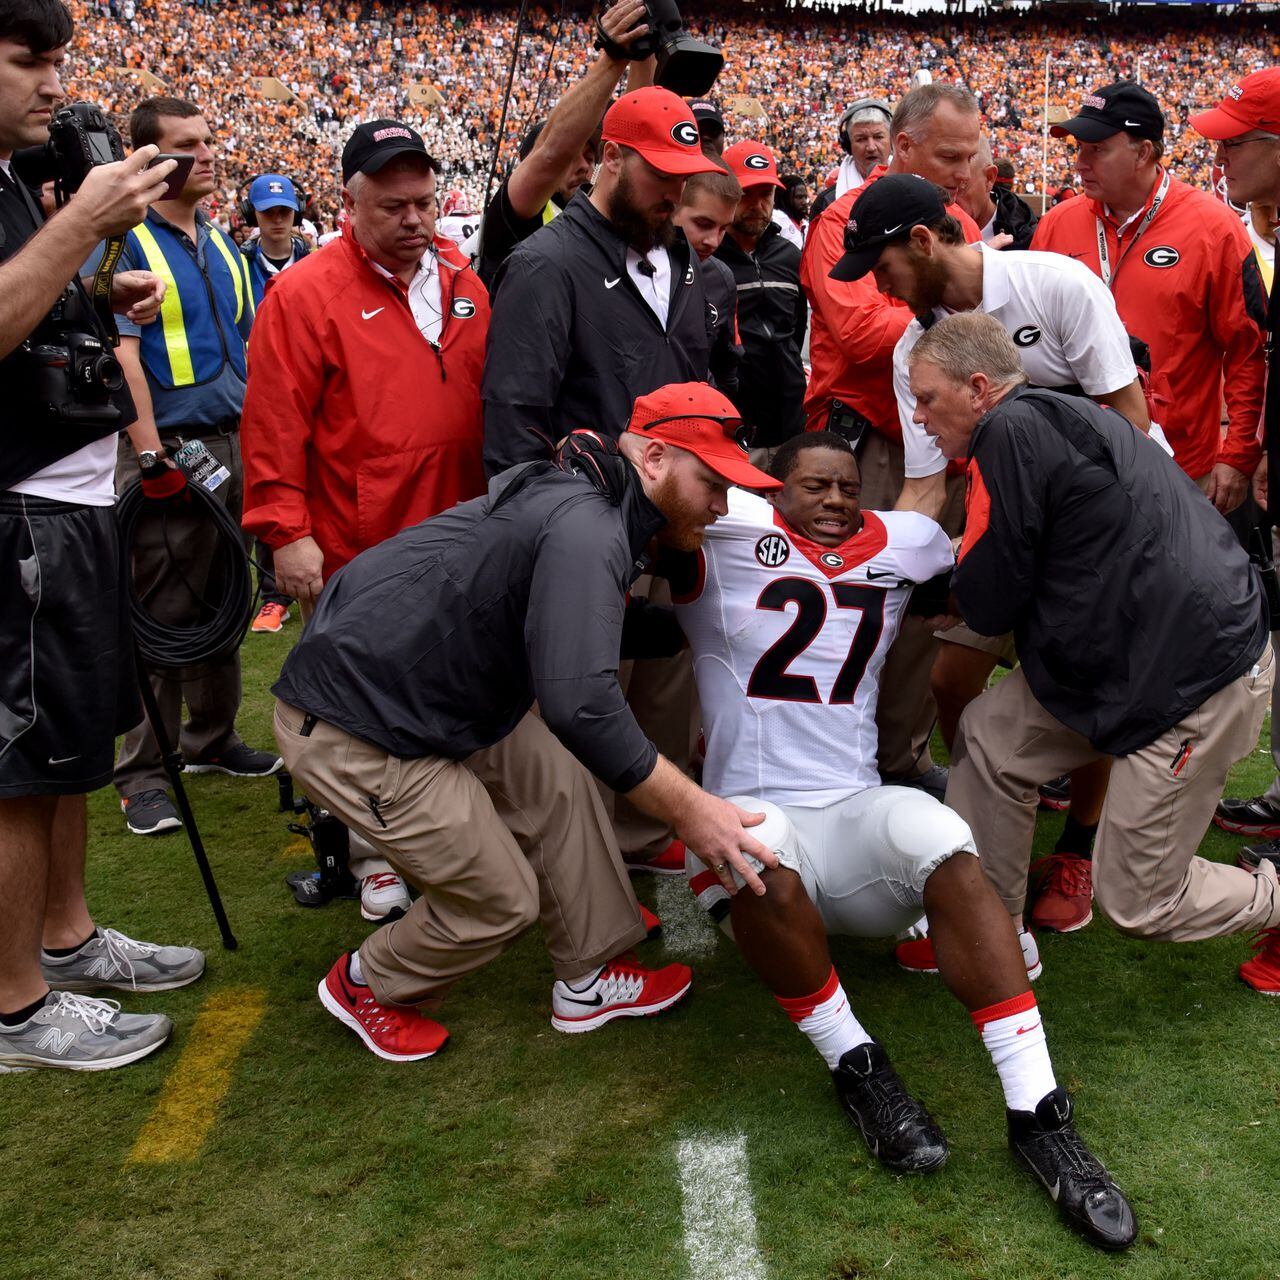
[(184, 1113), (295, 848)]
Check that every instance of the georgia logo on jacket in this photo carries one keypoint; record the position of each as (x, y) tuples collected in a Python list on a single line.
[(1163, 255), (685, 132), (463, 308)]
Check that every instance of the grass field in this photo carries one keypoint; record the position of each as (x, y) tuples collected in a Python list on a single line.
[(265, 1142)]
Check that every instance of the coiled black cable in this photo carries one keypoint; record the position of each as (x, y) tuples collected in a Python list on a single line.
[(222, 619)]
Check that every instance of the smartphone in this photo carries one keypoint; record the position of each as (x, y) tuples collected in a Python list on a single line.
[(178, 178)]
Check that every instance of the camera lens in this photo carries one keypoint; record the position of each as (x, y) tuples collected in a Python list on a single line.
[(108, 373)]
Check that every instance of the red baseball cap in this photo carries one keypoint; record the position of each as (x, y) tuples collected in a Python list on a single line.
[(696, 417), (1253, 103), (753, 164), (660, 127)]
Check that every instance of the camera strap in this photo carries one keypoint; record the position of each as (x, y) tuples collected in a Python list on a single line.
[(101, 293)]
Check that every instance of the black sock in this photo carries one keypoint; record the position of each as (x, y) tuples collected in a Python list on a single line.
[(1076, 838), (61, 953), (19, 1016)]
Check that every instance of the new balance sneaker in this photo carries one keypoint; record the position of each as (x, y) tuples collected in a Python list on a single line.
[(1252, 856), (79, 1034), (897, 1129), (1062, 892), (110, 960), (384, 897), (622, 989), (1045, 1142), (670, 862), (271, 618), (150, 813), (1262, 972), (393, 1032), (1256, 816), (1056, 794), (240, 761), (915, 955)]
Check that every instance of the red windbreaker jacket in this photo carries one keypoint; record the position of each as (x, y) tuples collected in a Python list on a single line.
[(354, 425)]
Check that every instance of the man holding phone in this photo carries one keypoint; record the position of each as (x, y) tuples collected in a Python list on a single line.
[(187, 375)]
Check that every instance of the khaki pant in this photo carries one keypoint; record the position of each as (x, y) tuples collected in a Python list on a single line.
[(172, 561), (1147, 878), (513, 834), (664, 700), (906, 711)]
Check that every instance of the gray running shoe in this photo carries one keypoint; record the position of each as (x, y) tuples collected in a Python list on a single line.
[(111, 961), (79, 1034)]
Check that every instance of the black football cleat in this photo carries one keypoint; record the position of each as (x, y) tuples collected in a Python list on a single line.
[(1046, 1142), (900, 1133), (1252, 856), (1256, 816)]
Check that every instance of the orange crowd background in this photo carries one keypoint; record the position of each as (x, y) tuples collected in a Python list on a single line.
[(345, 61)]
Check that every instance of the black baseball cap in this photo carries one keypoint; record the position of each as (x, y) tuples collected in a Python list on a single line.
[(884, 214), (707, 115), (1123, 107), (376, 142)]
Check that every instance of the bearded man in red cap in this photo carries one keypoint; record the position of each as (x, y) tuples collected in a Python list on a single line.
[(421, 737), (604, 304)]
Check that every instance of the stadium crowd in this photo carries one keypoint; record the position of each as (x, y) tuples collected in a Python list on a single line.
[(347, 62), (653, 533)]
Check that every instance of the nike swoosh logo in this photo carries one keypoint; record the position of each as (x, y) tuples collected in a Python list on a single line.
[(64, 760), (595, 1000), (872, 575), (608, 284), (1022, 1031), (368, 315), (888, 231), (1132, 124)]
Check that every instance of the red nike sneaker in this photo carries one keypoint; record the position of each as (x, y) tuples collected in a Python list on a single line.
[(670, 862), (916, 955), (653, 926), (1062, 885), (391, 1031), (622, 989), (1262, 973)]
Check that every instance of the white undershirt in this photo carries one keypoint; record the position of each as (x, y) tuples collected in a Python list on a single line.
[(86, 477), (654, 289), (424, 295)]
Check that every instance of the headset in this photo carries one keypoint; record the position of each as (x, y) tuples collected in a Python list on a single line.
[(249, 215), (862, 104)]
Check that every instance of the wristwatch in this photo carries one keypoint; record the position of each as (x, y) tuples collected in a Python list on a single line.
[(149, 458)]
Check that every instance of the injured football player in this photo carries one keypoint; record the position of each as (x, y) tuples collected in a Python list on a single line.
[(789, 608)]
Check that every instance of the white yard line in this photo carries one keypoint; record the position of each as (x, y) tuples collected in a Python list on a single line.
[(686, 929), (719, 1218)]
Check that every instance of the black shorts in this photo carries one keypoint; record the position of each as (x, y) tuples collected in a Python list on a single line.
[(67, 679)]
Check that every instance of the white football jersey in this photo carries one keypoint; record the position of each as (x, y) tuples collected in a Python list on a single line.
[(788, 641)]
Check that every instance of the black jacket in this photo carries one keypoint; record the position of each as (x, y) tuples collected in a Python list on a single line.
[(437, 641), (1014, 216), (772, 315), (1129, 597), (722, 316), (572, 342)]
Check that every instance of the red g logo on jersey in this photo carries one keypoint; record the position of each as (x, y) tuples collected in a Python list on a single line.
[(773, 550), (1162, 255)]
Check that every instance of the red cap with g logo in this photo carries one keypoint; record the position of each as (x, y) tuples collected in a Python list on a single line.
[(660, 127), (753, 164)]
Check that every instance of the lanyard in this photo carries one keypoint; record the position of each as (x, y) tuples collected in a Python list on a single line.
[(1104, 257)]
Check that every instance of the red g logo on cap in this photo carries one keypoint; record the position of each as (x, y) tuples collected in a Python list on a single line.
[(685, 132)]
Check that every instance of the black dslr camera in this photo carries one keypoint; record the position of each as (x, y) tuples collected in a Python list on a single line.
[(74, 378), (686, 66), (80, 137)]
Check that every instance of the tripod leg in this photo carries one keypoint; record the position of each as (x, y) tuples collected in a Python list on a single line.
[(173, 767)]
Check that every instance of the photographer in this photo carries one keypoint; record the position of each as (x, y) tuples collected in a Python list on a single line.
[(62, 619)]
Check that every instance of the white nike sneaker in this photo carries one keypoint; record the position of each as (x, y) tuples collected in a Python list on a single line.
[(384, 897)]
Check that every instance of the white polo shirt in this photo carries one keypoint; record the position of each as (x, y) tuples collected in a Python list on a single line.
[(1062, 319)]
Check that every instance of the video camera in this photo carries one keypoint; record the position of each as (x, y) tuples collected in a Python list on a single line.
[(686, 66), (80, 137)]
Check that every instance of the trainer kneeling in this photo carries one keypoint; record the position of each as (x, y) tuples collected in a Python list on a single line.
[(406, 710), (790, 607)]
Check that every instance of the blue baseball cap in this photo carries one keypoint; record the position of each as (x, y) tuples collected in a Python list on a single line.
[(272, 191)]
